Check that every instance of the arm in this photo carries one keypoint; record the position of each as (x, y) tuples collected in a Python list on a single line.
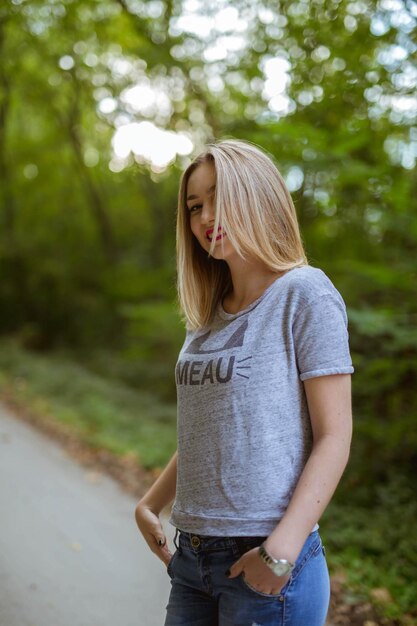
[(329, 403), (150, 506)]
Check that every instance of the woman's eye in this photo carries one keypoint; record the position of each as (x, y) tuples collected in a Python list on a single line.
[(196, 206)]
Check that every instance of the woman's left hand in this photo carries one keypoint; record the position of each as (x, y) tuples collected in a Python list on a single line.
[(257, 574)]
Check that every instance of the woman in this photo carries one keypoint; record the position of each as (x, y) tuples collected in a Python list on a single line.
[(264, 404)]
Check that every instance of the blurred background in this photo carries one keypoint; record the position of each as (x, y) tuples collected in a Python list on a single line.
[(102, 105)]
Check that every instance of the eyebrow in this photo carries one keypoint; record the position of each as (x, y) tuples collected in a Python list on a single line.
[(194, 197)]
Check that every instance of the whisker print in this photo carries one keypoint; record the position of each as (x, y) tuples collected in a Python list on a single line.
[(243, 367)]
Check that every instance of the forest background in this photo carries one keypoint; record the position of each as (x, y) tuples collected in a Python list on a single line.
[(102, 105)]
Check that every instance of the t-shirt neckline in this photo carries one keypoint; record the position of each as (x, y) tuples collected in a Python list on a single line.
[(229, 316)]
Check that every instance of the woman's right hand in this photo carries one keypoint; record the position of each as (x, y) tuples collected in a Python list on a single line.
[(151, 528)]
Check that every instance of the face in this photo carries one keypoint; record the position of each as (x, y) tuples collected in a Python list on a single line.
[(201, 209)]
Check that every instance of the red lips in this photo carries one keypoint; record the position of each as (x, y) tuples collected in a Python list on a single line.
[(210, 231)]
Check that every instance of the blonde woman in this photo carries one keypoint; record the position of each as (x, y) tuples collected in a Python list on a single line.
[(264, 404)]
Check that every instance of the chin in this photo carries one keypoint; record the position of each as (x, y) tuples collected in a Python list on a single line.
[(218, 254), (218, 250)]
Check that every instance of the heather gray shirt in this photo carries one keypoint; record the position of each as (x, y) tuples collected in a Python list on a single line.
[(244, 432)]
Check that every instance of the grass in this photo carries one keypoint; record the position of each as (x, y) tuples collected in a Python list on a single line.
[(370, 538), (104, 413), (375, 547)]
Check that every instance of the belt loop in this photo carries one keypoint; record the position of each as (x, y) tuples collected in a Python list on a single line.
[(177, 530), (234, 547), (240, 544)]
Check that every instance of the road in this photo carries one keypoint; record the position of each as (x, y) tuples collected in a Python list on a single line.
[(70, 553)]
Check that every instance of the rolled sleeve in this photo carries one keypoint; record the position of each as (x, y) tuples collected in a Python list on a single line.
[(321, 338)]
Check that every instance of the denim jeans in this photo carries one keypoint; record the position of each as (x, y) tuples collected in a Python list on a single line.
[(202, 594)]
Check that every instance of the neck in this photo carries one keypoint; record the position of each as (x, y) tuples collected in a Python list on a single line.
[(249, 279)]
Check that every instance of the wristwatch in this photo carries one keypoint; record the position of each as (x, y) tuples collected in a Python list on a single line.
[(280, 567)]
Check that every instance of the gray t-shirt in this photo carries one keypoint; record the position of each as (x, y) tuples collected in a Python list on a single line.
[(244, 432)]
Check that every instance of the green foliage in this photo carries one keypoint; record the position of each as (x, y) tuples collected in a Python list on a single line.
[(103, 412), (156, 336), (374, 543), (87, 247), (384, 348)]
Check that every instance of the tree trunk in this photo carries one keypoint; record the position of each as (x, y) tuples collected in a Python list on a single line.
[(7, 204)]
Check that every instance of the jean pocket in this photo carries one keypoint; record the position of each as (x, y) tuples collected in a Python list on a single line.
[(306, 554), (170, 564), (271, 596)]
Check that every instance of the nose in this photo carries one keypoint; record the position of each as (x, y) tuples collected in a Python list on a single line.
[(208, 213)]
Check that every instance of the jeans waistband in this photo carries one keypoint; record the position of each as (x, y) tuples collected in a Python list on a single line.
[(197, 543)]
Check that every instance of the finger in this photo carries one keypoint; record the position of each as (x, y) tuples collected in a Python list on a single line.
[(167, 559), (163, 549), (153, 543), (159, 546), (235, 569), (163, 553), (158, 535)]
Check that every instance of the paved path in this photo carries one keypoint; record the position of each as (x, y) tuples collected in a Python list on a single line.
[(70, 553)]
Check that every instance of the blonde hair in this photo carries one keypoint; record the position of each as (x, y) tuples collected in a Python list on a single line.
[(254, 207)]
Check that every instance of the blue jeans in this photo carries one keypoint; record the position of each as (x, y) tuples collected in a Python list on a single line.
[(202, 594)]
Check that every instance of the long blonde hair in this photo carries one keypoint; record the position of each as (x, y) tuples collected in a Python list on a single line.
[(254, 207)]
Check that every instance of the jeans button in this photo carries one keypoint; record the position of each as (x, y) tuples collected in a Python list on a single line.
[(195, 541)]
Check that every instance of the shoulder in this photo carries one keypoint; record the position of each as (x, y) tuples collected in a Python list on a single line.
[(307, 285)]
